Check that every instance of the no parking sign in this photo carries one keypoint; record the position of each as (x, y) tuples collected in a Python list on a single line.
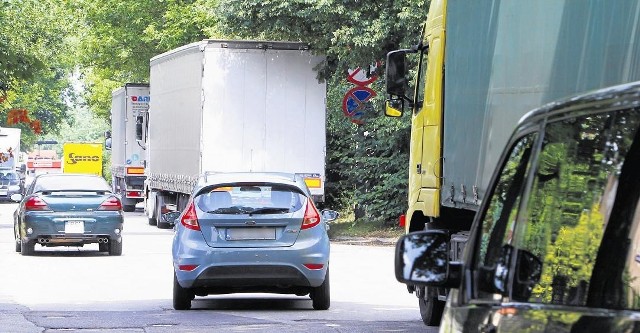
[(355, 100)]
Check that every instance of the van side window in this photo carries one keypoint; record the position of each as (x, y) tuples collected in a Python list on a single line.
[(499, 219), (568, 207)]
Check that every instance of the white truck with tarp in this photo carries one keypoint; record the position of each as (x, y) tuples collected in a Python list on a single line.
[(225, 106)]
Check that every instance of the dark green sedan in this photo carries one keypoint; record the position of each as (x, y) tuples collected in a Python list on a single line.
[(68, 210)]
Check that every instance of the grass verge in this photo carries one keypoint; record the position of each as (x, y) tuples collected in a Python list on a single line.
[(349, 228)]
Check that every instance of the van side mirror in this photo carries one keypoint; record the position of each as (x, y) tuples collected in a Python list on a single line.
[(423, 258)]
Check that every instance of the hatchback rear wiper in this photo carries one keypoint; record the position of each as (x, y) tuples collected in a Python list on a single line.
[(269, 210), (230, 210)]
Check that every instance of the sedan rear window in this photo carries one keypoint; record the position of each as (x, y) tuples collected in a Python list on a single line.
[(250, 199), (71, 183)]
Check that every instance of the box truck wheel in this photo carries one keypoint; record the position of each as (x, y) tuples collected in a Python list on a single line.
[(430, 307), (150, 208)]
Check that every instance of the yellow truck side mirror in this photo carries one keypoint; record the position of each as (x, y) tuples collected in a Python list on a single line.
[(393, 107)]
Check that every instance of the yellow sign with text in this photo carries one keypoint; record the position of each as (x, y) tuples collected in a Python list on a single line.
[(83, 158)]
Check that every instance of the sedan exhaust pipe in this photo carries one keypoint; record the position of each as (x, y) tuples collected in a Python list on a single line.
[(43, 240), (103, 240)]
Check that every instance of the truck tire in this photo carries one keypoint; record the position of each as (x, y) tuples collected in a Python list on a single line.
[(430, 307), (321, 296), (181, 296), (129, 208), (151, 211)]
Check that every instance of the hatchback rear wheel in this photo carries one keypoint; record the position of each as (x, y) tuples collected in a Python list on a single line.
[(321, 296), (181, 296)]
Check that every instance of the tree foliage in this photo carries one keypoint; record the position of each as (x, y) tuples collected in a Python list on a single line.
[(35, 61)]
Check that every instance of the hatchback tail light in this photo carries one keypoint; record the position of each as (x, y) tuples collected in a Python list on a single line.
[(112, 203), (35, 203), (190, 219), (311, 217)]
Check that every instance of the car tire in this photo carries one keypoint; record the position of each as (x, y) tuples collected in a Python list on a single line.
[(115, 248), (27, 247), (129, 208), (103, 247), (430, 307), (321, 296), (18, 246), (181, 296)]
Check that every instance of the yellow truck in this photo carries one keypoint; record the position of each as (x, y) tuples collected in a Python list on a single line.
[(481, 65), (82, 157)]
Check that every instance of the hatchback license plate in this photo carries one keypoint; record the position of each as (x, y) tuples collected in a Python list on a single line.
[(74, 227), (251, 233)]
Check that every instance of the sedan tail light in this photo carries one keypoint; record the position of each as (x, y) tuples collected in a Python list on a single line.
[(311, 216), (190, 219), (35, 203), (112, 203)]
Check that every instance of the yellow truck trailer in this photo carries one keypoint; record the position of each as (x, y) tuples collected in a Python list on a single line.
[(83, 157)]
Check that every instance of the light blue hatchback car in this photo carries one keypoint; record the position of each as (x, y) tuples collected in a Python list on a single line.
[(251, 232)]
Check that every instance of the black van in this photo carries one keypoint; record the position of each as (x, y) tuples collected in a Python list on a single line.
[(555, 247)]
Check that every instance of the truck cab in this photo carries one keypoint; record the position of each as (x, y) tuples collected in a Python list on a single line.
[(555, 245)]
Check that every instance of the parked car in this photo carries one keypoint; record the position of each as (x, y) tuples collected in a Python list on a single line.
[(251, 232), (10, 184), (556, 245), (68, 210)]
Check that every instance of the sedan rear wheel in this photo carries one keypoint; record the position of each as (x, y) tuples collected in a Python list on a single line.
[(103, 247), (27, 247), (18, 243), (181, 296), (321, 296), (115, 248)]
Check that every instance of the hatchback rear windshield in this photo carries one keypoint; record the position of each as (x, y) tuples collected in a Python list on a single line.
[(71, 183), (250, 199)]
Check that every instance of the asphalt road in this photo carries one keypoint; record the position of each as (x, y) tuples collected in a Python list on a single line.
[(83, 290)]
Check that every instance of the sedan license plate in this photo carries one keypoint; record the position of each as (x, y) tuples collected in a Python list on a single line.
[(251, 233), (74, 227), (3, 192)]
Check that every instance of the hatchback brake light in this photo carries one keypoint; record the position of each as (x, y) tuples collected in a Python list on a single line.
[(35, 203), (190, 219), (311, 217), (112, 203)]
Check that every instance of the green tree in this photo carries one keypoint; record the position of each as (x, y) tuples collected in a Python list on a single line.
[(35, 61)]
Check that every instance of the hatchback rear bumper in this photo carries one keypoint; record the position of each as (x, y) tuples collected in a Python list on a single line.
[(269, 269)]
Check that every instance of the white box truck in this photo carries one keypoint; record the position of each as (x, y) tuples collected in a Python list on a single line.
[(223, 106), (129, 113)]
